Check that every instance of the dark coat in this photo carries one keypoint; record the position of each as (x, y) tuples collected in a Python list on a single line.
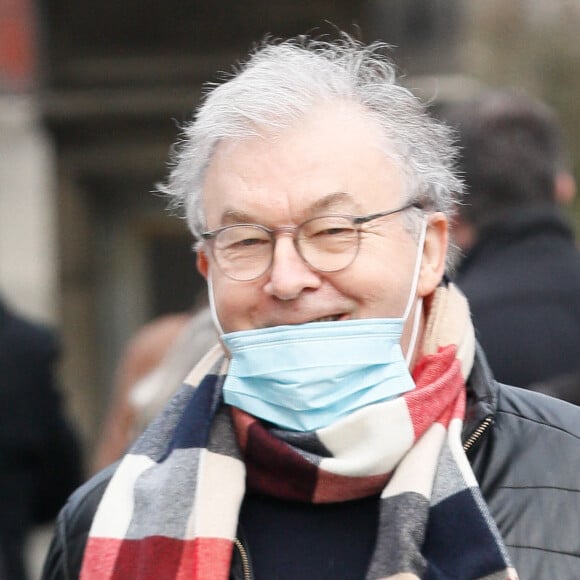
[(522, 281), (40, 461), (524, 448)]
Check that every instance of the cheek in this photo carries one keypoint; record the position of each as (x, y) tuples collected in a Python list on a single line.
[(384, 261), (380, 279), (234, 302)]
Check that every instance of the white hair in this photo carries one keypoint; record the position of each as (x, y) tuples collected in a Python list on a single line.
[(281, 82)]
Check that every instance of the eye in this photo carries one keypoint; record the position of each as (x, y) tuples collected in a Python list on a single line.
[(335, 231), (246, 242), (329, 227), (242, 238)]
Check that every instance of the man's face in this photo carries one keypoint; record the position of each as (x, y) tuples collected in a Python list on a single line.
[(286, 180)]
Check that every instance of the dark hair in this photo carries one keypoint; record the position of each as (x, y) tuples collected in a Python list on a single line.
[(511, 151)]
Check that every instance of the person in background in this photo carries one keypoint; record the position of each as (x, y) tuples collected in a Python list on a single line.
[(348, 426), (521, 266), (40, 459), (151, 369)]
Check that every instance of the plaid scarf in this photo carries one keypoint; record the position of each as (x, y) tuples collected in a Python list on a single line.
[(171, 508)]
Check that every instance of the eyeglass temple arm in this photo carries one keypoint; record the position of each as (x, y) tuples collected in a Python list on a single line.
[(374, 216)]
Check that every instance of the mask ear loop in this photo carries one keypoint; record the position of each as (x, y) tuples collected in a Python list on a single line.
[(197, 246), (212, 308), (419, 306)]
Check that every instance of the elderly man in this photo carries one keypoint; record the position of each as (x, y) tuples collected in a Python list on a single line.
[(348, 426)]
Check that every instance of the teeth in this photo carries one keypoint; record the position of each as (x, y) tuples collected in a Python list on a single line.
[(326, 319)]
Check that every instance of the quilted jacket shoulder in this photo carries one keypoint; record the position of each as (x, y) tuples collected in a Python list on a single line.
[(528, 468)]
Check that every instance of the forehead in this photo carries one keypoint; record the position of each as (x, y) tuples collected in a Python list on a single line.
[(297, 172)]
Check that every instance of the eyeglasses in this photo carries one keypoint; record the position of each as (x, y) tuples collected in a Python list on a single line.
[(328, 243)]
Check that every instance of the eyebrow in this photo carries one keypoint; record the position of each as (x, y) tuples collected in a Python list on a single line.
[(330, 202), (333, 200)]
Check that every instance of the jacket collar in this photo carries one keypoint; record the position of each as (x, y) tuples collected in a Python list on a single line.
[(482, 394)]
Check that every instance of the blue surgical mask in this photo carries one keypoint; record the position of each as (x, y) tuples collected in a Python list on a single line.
[(306, 377)]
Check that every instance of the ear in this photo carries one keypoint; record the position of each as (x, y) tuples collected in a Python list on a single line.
[(434, 254), (202, 263)]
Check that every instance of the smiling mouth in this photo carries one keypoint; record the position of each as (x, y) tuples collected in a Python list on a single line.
[(327, 318)]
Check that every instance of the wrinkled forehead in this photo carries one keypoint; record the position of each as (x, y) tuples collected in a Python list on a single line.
[(331, 150)]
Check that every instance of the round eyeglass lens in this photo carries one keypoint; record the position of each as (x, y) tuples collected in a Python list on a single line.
[(243, 252), (328, 243)]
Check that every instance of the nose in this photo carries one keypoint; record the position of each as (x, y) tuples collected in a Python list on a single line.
[(289, 274)]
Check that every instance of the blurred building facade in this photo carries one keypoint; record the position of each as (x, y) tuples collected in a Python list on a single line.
[(85, 133), (28, 245)]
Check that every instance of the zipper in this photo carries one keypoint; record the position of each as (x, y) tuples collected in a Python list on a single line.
[(245, 559), (472, 439)]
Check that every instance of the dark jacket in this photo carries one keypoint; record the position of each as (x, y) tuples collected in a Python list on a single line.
[(525, 452), (522, 282), (40, 463)]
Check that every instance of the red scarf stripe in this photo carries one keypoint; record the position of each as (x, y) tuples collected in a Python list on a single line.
[(439, 383), (332, 487), (100, 557), (157, 558), (276, 468), (206, 558), (242, 423)]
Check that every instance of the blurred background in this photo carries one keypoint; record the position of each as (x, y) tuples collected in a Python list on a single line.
[(91, 98), (92, 95)]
